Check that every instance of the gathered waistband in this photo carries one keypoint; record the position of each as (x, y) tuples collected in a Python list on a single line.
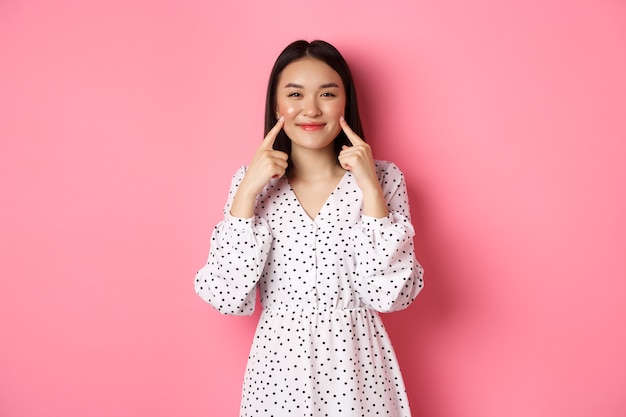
[(315, 309)]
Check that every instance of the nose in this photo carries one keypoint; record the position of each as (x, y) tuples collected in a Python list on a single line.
[(311, 108)]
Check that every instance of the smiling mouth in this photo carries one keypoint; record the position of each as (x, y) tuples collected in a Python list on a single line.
[(311, 127)]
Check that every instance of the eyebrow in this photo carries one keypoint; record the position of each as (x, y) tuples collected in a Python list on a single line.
[(327, 85)]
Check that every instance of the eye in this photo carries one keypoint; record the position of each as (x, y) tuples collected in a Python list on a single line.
[(328, 94), (294, 94)]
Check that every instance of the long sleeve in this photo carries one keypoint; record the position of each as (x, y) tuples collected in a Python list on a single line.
[(239, 249), (388, 275)]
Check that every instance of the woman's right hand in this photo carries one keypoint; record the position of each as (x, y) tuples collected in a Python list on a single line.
[(266, 164)]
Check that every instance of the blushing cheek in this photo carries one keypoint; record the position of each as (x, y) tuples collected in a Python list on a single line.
[(288, 111), (336, 111)]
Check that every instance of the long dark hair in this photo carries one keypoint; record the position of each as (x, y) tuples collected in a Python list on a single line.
[(328, 54)]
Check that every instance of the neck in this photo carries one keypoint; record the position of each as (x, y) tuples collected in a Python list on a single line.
[(307, 164)]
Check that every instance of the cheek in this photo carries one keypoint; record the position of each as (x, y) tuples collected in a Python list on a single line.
[(335, 109), (286, 109)]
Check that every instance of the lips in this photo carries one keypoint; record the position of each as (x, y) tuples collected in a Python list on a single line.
[(311, 127)]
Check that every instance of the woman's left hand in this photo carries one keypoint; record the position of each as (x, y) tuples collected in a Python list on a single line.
[(358, 159)]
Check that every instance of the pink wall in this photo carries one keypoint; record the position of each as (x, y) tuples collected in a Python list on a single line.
[(121, 123)]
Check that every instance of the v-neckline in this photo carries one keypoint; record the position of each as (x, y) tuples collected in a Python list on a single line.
[(324, 204)]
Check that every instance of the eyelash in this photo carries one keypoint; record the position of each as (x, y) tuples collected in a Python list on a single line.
[(300, 95)]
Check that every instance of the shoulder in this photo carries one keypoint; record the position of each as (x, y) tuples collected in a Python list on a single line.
[(237, 176), (387, 168), (390, 176)]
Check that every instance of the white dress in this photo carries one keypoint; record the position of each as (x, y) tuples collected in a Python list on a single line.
[(320, 348)]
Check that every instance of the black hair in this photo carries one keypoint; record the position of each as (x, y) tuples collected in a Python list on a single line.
[(328, 54)]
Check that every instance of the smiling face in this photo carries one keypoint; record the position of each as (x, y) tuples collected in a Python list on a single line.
[(311, 96)]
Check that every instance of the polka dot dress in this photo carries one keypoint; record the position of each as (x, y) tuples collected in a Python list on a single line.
[(320, 348)]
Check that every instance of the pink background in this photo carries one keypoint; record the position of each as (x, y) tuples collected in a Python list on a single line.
[(121, 123)]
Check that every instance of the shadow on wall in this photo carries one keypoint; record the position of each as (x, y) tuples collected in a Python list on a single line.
[(415, 332)]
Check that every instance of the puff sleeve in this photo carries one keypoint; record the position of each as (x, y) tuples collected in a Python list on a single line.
[(239, 249), (388, 277)]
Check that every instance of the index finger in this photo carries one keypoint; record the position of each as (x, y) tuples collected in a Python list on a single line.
[(269, 139), (353, 137)]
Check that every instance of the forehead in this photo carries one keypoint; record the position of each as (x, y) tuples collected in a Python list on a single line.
[(309, 72)]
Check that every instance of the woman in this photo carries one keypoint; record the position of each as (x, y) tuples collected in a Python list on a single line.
[(323, 231)]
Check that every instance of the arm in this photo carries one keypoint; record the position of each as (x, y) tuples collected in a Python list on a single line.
[(267, 163), (359, 160), (239, 249), (240, 243), (388, 275)]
